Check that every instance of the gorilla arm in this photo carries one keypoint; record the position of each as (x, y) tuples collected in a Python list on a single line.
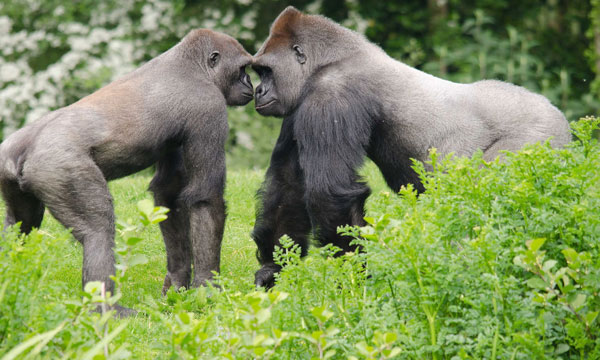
[(333, 133), (282, 210)]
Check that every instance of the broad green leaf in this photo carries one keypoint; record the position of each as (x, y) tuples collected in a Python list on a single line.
[(549, 264), (537, 283), (183, 317), (561, 349), (131, 241), (392, 352), (390, 337), (578, 302), (329, 354), (590, 317), (535, 244), (571, 256), (263, 315), (137, 259), (316, 334), (146, 207), (259, 350), (258, 339), (158, 218)]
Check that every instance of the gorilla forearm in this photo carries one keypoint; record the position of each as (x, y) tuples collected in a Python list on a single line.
[(281, 210), (207, 222)]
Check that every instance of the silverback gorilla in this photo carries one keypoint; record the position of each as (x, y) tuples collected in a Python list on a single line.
[(170, 111), (342, 98)]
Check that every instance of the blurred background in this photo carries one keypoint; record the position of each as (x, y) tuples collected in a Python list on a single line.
[(54, 52)]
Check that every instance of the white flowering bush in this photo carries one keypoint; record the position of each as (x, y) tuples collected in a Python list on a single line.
[(54, 58), (53, 53)]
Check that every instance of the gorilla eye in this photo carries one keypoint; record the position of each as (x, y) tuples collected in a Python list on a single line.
[(300, 56), (213, 59)]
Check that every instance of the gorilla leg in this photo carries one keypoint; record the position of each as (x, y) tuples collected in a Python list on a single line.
[(282, 210), (166, 186), (513, 143), (21, 206), (77, 195)]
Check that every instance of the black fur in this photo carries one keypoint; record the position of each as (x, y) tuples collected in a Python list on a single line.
[(343, 99), (312, 182)]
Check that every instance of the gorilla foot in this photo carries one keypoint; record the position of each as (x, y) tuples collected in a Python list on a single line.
[(204, 281), (265, 276), (121, 312), (175, 280)]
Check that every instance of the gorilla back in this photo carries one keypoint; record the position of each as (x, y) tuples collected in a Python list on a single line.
[(342, 99), (170, 111)]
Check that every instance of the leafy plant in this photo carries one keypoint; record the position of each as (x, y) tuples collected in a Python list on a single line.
[(83, 327)]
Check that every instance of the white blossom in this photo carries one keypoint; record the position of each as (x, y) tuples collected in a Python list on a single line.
[(9, 72), (5, 24)]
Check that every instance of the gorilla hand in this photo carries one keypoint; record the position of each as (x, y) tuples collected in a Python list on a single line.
[(265, 276)]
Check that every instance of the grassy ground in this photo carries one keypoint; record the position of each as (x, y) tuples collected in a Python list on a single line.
[(238, 250)]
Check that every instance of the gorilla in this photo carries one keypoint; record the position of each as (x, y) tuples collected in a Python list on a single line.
[(172, 112), (342, 99)]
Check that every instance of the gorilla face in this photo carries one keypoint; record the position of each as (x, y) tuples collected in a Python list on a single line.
[(228, 63), (281, 67), (267, 101), (240, 90)]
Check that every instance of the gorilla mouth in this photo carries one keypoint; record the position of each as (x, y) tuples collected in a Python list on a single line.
[(258, 107)]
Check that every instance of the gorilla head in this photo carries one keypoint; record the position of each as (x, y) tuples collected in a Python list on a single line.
[(221, 55), (298, 47), (287, 59)]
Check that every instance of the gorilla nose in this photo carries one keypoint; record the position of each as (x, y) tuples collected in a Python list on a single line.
[(261, 91)]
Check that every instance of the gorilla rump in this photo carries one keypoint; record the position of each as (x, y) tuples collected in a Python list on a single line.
[(343, 98), (170, 111)]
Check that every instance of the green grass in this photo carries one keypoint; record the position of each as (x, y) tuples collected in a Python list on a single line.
[(238, 261)]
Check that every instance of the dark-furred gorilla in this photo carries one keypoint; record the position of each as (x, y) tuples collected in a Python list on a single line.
[(170, 112), (342, 98)]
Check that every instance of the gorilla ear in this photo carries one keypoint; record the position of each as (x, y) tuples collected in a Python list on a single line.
[(300, 56), (213, 59)]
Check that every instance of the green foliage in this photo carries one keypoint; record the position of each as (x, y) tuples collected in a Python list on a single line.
[(593, 52), (496, 260), (82, 328), (23, 268), (463, 262)]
